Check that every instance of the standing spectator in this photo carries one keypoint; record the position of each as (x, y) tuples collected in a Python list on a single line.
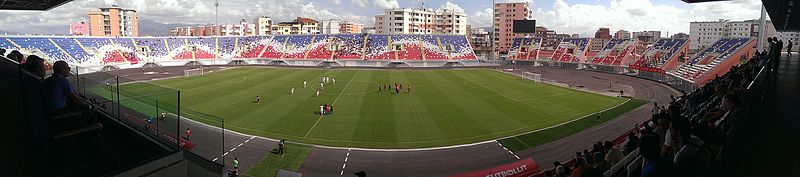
[(282, 146), (235, 163), (789, 48), (2, 52), (188, 133), (654, 164), (656, 109)]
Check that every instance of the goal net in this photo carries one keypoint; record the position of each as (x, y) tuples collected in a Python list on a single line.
[(192, 72), (532, 76)]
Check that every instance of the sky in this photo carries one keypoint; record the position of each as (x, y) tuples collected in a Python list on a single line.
[(582, 17)]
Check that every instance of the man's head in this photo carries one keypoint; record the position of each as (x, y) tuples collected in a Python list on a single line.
[(15, 55), (34, 65), (556, 163), (61, 68), (680, 128)]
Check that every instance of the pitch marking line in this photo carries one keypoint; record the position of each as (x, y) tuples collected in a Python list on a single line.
[(234, 148), (509, 151), (345, 161), (334, 102)]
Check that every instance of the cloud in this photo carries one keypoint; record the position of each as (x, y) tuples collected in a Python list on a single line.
[(337, 2), (482, 18), (386, 4), (57, 21), (639, 15), (360, 3), (452, 6)]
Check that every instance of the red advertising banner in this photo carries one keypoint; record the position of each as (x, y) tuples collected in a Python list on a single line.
[(526, 167)]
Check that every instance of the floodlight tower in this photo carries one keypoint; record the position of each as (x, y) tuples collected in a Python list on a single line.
[(216, 17)]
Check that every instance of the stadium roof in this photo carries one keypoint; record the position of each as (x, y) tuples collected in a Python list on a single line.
[(781, 14), (31, 4)]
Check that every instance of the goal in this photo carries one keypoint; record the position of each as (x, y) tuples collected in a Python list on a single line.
[(532, 76), (192, 72)]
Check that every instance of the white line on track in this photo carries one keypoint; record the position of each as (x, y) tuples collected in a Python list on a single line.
[(234, 148), (345, 162), (334, 102), (509, 151)]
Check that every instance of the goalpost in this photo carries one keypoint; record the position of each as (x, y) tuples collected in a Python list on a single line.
[(192, 72), (533, 76)]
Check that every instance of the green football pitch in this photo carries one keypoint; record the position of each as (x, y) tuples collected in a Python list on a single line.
[(444, 107)]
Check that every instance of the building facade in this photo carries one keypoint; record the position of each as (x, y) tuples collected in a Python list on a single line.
[(79, 29), (703, 34), (505, 14), (647, 37), (481, 41), (550, 39), (421, 21), (603, 33), (331, 26), (263, 26), (790, 36), (597, 44), (622, 34), (350, 27), (113, 21)]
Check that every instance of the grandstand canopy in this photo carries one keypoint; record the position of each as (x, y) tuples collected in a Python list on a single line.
[(781, 14), (31, 4)]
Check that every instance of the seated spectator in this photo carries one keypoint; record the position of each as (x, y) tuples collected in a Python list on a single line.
[(62, 98), (632, 144), (690, 159), (34, 65), (654, 165), (613, 155), (16, 56), (560, 170), (600, 165), (2, 52), (580, 167), (588, 156)]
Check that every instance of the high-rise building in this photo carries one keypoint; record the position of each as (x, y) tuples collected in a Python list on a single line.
[(647, 37), (421, 21), (350, 27), (113, 21), (603, 33), (263, 26), (703, 34), (79, 29), (505, 14), (622, 34)]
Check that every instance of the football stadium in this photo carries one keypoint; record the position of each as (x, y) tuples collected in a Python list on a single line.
[(399, 97)]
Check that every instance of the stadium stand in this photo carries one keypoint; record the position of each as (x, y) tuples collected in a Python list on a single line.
[(616, 52), (525, 48), (107, 50), (664, 55), (571, 50), (715, 60), (696, 119)]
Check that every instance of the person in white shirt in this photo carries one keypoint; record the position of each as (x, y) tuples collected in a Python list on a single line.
[(304, 84), (334, 81), (317, 95), (321, 109), (292, 90)]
